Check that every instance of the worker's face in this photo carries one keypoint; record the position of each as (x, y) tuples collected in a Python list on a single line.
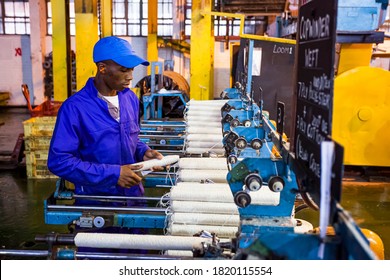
[(116, 77)]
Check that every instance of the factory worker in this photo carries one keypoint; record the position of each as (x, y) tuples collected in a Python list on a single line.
[(95, 138)]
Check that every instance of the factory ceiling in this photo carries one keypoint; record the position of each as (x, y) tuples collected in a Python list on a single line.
[(253, 7)]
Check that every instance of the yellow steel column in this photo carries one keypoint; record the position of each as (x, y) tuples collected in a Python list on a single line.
[(202, 51), (106, 17), (86, 36), (61, 49), (152, 32)]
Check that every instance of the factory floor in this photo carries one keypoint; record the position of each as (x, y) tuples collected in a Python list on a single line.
[(21, 199)]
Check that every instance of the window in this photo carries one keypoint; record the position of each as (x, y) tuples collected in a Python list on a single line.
[(130, 17), (14, 17), (222, 26)]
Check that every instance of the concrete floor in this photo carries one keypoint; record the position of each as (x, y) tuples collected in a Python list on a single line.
[(21, 199)]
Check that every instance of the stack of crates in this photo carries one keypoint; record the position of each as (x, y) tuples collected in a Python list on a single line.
[(37, 135)]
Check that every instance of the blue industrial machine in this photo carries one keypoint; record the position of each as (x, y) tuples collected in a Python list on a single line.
[(264, 177), (159, 132)]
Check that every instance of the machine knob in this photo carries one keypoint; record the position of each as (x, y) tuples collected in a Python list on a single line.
[(276, 184), (256, 144), (242, 199), (227, 118), (247, 123), (232, 159), (226, 108), (234, 123), (98, 222), (241, 143), (253, 182)]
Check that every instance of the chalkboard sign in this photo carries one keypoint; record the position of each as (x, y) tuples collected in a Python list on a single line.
[(314, 87)]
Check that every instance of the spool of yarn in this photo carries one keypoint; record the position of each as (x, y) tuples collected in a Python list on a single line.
[(199, 151), (203, 207), (189, 230), (207, 145), (201, 137), (133, 241), (205, 219), (199, 175), (203, 129)]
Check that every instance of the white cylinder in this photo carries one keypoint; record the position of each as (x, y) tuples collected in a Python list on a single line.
[(207, 145), (207, 113), (220, 102), (210, 123), (192, 175), (205, 219), (180, 253), (133, 241), (204, 207), (208, 107), (202, 186), (205, 137), (211, 195), (185, 230), (198, 151), (204, 129), (202, 118), (264, 196), (203, 163)]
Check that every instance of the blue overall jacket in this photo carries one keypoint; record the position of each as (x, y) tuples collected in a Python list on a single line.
[(88, 145)]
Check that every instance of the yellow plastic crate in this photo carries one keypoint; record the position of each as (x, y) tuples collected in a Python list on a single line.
[(39, 126), (37, 143), (36, 165)]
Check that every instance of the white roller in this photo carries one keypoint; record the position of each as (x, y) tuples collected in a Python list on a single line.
[(204, 129), (197, 186), (212, 123), (203, 163), (179, 253), (264, 196), (206, 113), (207, 145), (207, 102), (205, 219), (133, 241), (208, 107), (191, 175), (192, 195), (185, 230), (198, 151), (204, 207), (202, 118), (149, 164), (205, 137)]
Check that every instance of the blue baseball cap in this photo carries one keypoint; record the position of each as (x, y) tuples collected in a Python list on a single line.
[(117, 50)]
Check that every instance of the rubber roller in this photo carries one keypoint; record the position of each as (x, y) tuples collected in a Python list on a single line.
[(276, 184), (253, 182)]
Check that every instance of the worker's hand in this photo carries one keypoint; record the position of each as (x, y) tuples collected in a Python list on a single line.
[(153, 154), (128, 176)]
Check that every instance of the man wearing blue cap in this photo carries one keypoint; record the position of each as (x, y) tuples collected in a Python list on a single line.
[(95, 139)]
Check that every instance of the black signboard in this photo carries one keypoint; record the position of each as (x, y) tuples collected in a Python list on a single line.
[(314, 87)]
